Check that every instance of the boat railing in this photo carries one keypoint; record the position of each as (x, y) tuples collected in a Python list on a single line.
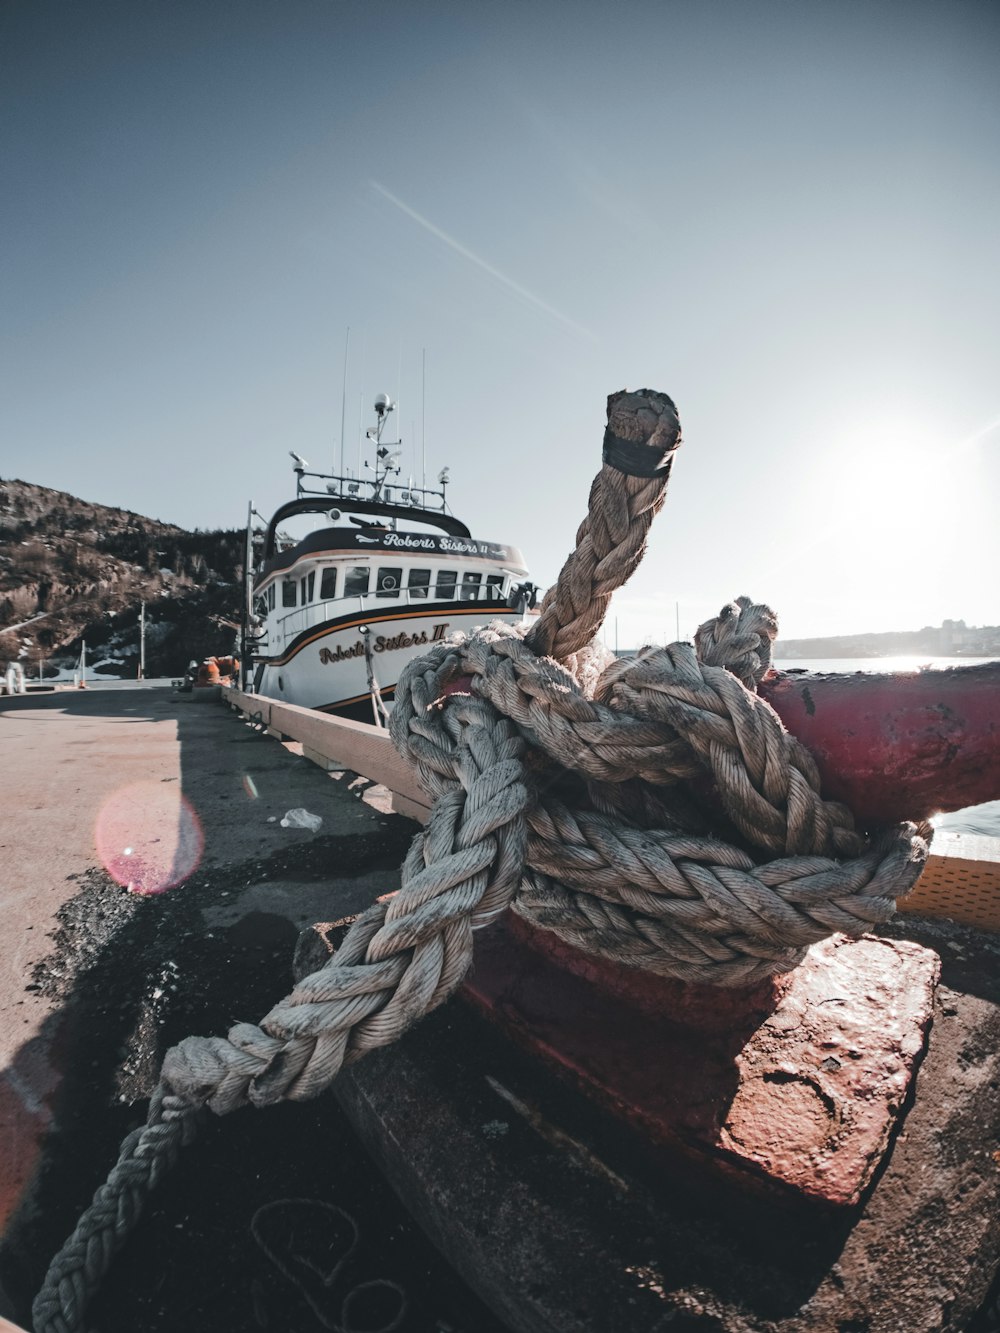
[(300, 618), (349, 490)]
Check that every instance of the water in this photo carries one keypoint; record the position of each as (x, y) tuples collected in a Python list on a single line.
[(846, 665), (984, 819)]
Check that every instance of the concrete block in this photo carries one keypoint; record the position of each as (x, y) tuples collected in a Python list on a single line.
[(564, 1224), (797, 1094)]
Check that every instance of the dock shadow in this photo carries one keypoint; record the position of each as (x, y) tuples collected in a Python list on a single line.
[(130, 975)]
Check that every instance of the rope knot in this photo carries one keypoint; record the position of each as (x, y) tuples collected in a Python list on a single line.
[(739, 639)]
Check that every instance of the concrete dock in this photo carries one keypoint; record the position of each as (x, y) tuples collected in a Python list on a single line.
[(150, 891)]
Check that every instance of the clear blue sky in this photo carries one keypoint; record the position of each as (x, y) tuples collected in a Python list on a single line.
[(784, 214)]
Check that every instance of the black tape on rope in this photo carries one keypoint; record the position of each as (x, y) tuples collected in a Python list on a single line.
[(635, 459)]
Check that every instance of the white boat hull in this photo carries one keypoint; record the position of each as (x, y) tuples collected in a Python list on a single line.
[(327, 667)]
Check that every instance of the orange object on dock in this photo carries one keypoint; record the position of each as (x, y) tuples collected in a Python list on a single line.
[(217, 671)]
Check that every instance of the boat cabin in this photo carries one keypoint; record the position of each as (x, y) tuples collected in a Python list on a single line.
[(317, 580)]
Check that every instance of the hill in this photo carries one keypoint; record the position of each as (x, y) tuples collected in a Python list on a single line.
[(79, 571), (951, 638)]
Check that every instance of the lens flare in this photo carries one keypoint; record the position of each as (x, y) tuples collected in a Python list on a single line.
[(148, 837)]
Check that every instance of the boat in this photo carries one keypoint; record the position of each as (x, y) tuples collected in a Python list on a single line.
[(331, 619)]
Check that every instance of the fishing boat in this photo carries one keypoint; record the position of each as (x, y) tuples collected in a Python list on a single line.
[(331, 619)]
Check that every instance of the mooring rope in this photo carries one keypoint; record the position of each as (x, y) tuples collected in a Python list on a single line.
[(562, 785)]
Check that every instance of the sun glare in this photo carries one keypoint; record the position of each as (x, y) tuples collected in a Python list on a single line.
[(894, 477), (880, 488)]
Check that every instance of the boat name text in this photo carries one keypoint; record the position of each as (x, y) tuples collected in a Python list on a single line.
[(451, 545), (384, 643)]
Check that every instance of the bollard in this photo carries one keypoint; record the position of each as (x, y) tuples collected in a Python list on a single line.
[(790, 1089)]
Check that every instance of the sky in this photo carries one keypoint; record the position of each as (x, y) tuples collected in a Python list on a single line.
[(783, 214)]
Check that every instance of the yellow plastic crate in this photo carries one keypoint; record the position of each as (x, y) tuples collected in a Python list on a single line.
[(961, 881)]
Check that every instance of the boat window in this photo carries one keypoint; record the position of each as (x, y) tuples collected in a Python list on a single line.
[(272, 596), (356, 581), (260, 606), (494, 587), (328, 583), (389, 582), (418, 582), (308, 586), (470, 587), (288, 592), (446, 580)]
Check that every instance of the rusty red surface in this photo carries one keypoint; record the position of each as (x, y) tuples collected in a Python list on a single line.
[(793, 1089), (898, 746)]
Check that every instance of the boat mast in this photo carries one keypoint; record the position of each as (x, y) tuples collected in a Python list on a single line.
[(247, 600), (383, 493), (386, 455)]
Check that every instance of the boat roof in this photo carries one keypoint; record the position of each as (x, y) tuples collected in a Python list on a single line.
[(314, 504)]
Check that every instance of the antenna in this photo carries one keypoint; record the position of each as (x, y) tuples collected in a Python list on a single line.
[(423, 420), (399, 372), (343, 400), (361, 427), (361, 396)]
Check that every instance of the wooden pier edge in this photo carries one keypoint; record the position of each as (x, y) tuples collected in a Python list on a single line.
[(338, 742), (961, 881)]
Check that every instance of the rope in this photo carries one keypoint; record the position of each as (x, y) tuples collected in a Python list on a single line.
[(562, 785)]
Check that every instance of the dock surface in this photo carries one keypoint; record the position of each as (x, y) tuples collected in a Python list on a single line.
[(101, 972)]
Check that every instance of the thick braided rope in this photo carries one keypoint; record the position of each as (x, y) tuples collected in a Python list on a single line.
[(625, 497), (254, 1063), (145, 1155), (685, 906), (668, 717), (767, 780), (696, 909)]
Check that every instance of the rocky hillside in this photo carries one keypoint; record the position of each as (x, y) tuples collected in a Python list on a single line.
[(80, 571)]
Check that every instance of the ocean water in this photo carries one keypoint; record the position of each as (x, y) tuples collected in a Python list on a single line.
[(983, 819), (846, 665)]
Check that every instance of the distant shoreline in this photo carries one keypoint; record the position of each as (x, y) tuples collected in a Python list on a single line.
[(952, 638), (832, 655)]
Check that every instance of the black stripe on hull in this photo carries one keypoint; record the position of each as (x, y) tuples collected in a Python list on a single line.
[(440, 610), (358, 709)]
